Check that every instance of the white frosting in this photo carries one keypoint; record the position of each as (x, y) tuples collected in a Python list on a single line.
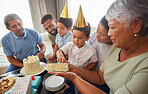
[(32, 65)]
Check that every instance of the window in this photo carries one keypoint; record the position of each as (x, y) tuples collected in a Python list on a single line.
[(19, 7), (93, 10)]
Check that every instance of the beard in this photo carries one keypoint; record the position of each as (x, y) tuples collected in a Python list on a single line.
[(55, 33)]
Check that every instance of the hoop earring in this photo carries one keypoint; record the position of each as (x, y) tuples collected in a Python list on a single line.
[(135, 35)]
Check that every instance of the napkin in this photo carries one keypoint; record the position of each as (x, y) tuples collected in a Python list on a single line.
[(22, 86)]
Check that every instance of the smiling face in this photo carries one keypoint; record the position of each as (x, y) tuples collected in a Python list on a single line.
[(16, 27), (120, 34), (50, 27), (62, 30), (102, 35), (79, 38)]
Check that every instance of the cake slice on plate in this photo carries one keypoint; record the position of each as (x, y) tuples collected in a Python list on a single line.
[(57, 67)]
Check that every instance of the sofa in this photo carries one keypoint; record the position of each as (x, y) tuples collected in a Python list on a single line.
[(4, 63)]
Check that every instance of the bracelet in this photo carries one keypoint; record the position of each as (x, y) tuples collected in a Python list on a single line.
[(82, 72)]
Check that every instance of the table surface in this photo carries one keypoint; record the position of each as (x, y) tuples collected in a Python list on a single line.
[(44, 75)]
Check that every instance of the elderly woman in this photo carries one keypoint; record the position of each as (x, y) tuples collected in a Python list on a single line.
[(125, 69)]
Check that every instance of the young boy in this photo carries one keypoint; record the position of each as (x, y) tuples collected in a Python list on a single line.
[(64, 25), (79, 53)]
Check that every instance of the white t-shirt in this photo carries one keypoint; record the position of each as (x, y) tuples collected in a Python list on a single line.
[(102, 49), (93, 40), (81, 57)]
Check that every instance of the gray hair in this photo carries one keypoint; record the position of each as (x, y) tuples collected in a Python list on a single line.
[(125, 11), (10, 17)]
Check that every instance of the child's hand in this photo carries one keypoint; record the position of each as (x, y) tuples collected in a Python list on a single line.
[(62, 59), (51, 58)]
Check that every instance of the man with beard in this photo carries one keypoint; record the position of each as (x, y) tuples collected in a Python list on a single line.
[(50, 26), (21, 42)]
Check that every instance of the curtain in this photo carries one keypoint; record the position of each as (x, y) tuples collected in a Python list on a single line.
[(55, 7), (51, 7), (60, 5), (39, 8)]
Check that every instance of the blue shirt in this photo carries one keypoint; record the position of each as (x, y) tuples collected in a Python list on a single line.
[(20, 47), (62, 40)]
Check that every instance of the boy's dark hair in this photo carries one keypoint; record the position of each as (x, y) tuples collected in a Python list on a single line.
[(67, 22), (45, 17), (85, 30)]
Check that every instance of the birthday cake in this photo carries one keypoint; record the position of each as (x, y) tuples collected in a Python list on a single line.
[(32, 65)]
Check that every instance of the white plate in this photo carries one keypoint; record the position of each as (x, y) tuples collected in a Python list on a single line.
[(9, 77), (54, 83), (54, 71), (8, 92), (22, 71)]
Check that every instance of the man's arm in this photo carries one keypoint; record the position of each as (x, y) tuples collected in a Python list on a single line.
[(42, 50), (15, 61), (56, 48)]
